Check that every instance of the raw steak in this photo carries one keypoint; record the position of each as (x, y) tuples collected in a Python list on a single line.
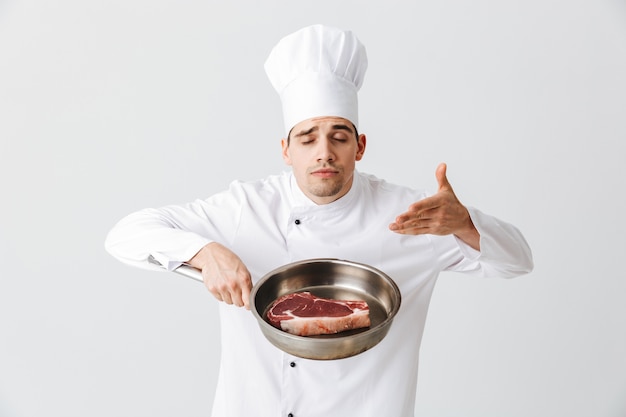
[(304, 314)]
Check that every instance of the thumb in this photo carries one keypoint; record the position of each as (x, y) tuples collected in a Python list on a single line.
[(442, 180)]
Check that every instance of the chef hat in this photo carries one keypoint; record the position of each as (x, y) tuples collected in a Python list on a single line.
[(317, 71)]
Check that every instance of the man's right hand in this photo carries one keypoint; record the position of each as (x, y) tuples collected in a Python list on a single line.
[(224, 274)]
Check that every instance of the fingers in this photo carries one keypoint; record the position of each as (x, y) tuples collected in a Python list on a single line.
[(231, 287), (245, 294), (442, 179), (409, 228), (238, 296), (245, 297), (413, 222), (423, 209), (224, 274), (431, 215)]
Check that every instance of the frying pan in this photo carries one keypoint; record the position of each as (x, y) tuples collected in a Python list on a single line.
[(327, 278)]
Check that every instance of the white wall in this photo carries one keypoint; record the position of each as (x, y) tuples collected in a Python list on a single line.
[(111, 106)]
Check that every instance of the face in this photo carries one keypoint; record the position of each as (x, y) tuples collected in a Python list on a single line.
[(322, 153)]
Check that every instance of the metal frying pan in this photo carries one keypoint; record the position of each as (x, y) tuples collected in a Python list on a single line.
[(328, 278)]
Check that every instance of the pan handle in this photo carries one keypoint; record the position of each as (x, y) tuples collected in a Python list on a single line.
[(185, 270)]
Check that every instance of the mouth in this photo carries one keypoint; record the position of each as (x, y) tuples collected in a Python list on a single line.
[(324, 173)]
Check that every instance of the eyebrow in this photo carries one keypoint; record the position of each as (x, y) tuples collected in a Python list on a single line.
[(343, 127), (306, 132), (315, 128)]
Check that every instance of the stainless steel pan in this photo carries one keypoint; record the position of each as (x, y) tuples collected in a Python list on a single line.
[(328, 278)]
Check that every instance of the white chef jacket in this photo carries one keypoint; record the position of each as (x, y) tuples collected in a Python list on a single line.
[(269, 223)]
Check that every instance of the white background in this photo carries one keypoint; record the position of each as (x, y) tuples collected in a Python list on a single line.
[(110, 106)]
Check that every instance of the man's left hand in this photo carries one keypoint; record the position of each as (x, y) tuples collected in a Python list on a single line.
[(440, 214)]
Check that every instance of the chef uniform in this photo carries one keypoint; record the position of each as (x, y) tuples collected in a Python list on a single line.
[(270, 222)]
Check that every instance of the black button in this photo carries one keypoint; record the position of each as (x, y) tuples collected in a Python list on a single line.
[(292, 364), (297, 221), (290, 415)]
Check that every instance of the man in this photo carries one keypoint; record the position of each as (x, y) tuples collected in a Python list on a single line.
[(322, 208)]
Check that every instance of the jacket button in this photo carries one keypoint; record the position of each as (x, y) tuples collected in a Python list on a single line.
[(292, 364), (290, 415), (297, 221)]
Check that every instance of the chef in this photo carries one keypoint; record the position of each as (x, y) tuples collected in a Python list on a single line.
[(322, 207)]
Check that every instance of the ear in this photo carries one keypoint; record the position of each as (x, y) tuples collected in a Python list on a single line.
[(361, 142), (285, 145)]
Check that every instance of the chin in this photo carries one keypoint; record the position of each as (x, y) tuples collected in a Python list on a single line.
[(325, 191)]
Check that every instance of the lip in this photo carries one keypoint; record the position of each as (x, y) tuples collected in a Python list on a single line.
[(324, 173)]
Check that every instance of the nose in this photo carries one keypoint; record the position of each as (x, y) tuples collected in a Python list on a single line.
[(325, 151)]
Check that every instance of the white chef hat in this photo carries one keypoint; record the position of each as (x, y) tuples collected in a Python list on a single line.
[(317, 71)]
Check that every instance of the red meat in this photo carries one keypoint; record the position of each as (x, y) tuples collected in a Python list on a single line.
[(304, 314)]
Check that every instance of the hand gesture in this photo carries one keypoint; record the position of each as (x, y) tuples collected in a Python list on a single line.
[(224, 274), (440, 214)]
